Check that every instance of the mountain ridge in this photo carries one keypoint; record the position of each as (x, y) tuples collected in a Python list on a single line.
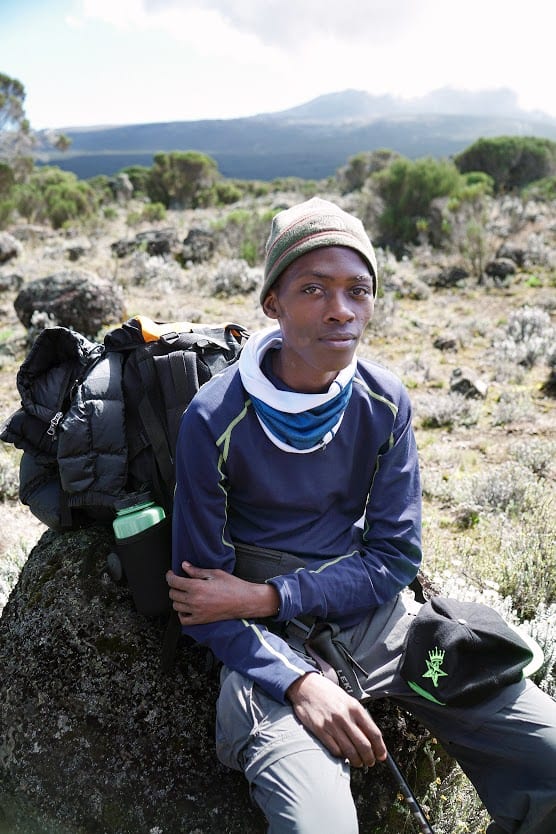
[(313, 139)]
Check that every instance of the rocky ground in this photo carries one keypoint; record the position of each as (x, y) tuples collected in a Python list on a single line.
[(489, 477), (421, 331)]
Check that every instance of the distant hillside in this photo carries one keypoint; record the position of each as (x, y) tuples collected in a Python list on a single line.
[(314, 139)]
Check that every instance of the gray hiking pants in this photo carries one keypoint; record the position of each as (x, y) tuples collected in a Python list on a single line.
[(506, 745)]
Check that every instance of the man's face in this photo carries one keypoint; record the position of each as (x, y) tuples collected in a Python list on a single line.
[(323, 302)]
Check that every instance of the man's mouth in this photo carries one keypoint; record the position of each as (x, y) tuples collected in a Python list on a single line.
[(342, 339)]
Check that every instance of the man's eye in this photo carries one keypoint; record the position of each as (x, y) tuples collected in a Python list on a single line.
[(359, 291), (311, 290)]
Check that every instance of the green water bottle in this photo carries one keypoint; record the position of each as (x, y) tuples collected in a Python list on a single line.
[(143, 546), (135, 513)]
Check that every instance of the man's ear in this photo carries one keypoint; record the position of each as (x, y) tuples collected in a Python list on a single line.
[(271, 308)]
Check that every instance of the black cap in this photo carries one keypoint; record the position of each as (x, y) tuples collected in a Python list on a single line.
[(460, 653)]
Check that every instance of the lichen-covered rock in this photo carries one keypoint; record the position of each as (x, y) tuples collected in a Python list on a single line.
[(157, 241), (96, 739), (198, 246), (74, 298)]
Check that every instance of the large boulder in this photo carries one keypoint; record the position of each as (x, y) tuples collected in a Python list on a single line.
[(157, 241), (198, 246), (73, 298), (96, 739)]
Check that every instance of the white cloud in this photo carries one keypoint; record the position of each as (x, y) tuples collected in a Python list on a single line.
[(290, 24), (225, 58), (203, 29)]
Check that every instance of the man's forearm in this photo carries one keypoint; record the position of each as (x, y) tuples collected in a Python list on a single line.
[(206, 596)]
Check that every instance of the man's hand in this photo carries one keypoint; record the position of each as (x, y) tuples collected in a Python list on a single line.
[(337, 719), (205, 596)]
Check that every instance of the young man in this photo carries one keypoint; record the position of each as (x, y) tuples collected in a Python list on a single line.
[(303, 448)]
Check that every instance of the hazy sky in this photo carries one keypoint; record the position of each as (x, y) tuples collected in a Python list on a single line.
[(90, 62)]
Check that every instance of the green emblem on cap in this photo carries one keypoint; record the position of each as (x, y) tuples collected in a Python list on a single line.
[(435, 661)]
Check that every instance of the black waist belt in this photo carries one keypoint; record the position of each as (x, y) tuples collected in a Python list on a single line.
[(258, 564)]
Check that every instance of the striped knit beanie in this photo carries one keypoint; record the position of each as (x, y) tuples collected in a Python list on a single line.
[(309, 226)]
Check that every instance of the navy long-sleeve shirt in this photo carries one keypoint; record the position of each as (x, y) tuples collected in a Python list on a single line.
[(351, 510)]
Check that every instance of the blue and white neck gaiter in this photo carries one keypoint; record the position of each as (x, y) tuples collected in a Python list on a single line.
[(295, 422)]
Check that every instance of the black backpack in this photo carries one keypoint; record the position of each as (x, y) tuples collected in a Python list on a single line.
[(98, 425)]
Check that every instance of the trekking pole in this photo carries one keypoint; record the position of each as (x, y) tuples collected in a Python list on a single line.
[(408, 795), (322, 647)]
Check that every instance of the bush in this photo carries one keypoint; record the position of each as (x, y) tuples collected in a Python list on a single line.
[(528, 563), (537, 455), (528, 337), (102, 188), (139, 176), (511, 408), (446, 410), (353, 175), (307, 188), (227, 192), (544, 189), (183, 179), (54, 196), (244, 232), (407, 189), (507, 488), (153, 212), (7, 182), (512, 161), (233, 277)]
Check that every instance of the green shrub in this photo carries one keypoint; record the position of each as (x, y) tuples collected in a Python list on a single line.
[(101, 186), (543, 189), (7, 182), (139, 176), (183, 179), (153, 212), (407, 189), (244, 232), (512, 161), (353, 175), (308, 188), (54, 196), (227, 192)]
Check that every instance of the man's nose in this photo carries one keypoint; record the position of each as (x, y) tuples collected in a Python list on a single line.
[(339, 308)]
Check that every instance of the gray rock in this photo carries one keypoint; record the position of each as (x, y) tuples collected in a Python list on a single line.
[(197, 247), (500, 268), (452, 276), (123, 247), (75, 298), (445, 343), (121, 187), (32, 231), (466, 382), (157, 241), (11, 281), (75, 251), (512, 252), (9, 247), (95, 739)]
